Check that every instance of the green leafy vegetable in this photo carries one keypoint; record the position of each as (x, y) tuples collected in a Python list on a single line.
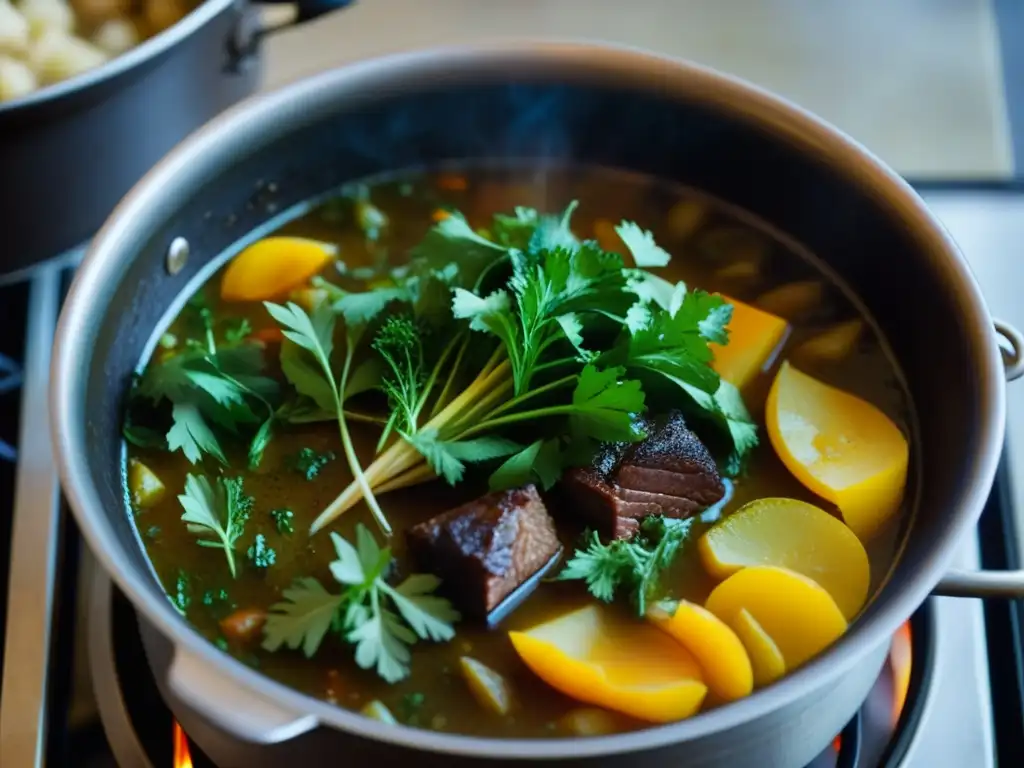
[(631, 566), (448, 458), (182, 597), (399, 344), (677, 344), (216, 513), (382, 621), (490, 334), (640, 242), (283, 521), (303, 618), (260, 554), (212, 597), (312, 374), (308, 462), (540, 462), (212, 387)]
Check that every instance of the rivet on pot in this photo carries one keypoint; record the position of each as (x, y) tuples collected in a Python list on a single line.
[(177, 255)]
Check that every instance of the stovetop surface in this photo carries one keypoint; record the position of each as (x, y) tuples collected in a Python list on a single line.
[(968, 714)]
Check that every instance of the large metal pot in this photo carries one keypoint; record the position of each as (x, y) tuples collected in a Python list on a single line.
[(542, 102), (69, 152)]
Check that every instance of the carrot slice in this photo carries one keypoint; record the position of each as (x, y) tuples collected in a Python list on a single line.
[(270, 268), (754, 338)]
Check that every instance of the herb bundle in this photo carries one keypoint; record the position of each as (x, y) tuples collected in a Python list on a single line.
[(520, 343)]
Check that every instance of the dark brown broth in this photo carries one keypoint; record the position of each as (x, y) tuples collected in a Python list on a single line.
[(723, 238)]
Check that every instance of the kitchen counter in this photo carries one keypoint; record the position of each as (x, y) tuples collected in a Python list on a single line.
[(917, 81)]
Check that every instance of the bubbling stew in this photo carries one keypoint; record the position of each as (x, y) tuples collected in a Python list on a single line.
[(494, 452)]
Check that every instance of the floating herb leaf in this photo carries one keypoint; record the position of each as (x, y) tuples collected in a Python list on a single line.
[(382, 621), (216, 513)]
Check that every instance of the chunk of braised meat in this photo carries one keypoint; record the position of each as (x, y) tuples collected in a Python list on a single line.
[(669, 473), (487, 548)]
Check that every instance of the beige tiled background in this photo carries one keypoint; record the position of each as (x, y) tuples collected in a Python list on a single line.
[(917, 81)]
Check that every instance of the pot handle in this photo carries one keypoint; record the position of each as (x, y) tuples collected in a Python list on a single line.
[(981, 584), (229, 707), (305, 10), (1011, 344), (250, 31), (984, 584)]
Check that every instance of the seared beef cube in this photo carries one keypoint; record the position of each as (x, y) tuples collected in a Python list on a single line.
[(671, 460), (483, 550), (669, 473)]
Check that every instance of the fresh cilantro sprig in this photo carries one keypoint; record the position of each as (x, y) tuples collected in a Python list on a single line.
[(382, 621), (631, 567), (216, 513)]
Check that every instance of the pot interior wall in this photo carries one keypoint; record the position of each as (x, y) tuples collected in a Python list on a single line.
[(876, 253)]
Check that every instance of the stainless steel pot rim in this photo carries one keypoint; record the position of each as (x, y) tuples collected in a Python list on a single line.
[(146, 50), (240, 130)]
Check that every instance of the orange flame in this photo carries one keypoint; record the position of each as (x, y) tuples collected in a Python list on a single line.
[(901, 659), (182, 756)]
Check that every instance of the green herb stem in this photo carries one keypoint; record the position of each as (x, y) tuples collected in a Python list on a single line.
[(349, 448), (515, 402), (421, 473), (365, 418), (484, 405), (556, 363), (432, 378), (400, 457), (512, 418), (444, 398)]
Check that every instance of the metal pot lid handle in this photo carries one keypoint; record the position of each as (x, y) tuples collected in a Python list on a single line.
[(203, 688), (251, 31), (1011, 344), (981, 584), (306, 10)]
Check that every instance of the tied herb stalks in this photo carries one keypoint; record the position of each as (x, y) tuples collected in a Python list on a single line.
[(520, 343)]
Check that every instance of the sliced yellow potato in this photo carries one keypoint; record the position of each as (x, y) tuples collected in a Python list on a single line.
[(626, 666), (145, 487), (840, 447), (834, 344), (795, 535), (754, 338), (489, 688), (765, 656), (375, 710), (721, 655), (270, 268), (797, 613)]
